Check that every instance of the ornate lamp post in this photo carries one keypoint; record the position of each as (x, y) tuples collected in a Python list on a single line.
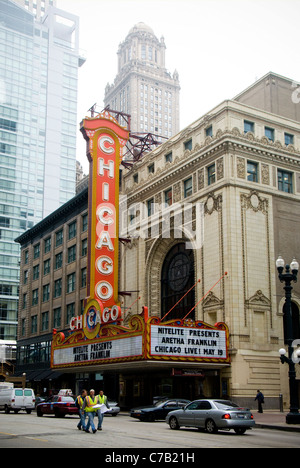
[(290, 275)]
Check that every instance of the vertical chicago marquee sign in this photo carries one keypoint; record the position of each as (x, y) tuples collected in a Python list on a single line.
[(97, 335), (105, 142)]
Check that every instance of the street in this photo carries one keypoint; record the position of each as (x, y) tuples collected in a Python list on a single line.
[(123, 432)]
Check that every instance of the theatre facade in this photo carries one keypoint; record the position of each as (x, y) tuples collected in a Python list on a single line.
[(169, 288)]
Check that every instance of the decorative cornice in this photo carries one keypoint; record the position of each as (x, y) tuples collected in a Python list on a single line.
[(232, 139)]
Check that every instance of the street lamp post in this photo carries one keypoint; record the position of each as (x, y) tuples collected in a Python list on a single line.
[(290, 275)]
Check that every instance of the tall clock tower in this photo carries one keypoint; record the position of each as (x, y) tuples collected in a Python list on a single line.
[(143, 87)]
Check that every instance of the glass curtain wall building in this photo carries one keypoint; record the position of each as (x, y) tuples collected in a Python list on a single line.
[(39, 61)]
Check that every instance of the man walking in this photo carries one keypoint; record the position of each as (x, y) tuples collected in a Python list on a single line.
[(261, 399), (79, 403), (102, 400), (88, 406)]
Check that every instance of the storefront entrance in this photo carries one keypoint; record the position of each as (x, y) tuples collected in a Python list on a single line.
[(143, 389)]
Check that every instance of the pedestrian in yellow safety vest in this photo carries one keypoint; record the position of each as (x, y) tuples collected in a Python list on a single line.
[(88, 406), (79, 403), (102, 399)]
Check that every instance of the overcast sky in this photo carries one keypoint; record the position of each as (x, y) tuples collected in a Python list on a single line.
[(219, 47)]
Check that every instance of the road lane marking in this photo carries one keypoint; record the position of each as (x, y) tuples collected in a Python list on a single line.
[(34, 438), (25, 437)]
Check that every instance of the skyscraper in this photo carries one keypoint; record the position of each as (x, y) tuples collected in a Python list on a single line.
[(143, 86), (39, 60), (37, 7)]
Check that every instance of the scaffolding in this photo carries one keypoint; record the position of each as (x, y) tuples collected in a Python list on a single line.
[(139, 143)]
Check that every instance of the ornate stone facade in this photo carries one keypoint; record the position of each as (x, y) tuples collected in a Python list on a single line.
[(236, 177)]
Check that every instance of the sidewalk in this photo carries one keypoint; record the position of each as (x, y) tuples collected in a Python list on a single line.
[(274, 420)]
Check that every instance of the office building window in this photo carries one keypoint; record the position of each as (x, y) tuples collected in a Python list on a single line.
[(288, 139), (45, 321), (72, 254), (46, 292), (57, 317), (24, 303), (169, 157), (151, 169), (252, 171), (34, 322), (25, 280), (248, 126), (150, 207), (85, 223), (70, 311), (57, 288), (35, 297), (188, 187), (83, 277), (168, 198), (47, 245), (209, 131), (188, 145), (47, 267), (143, 56), (285, 181), (72, 230), (71, 282), (270, 133), (36, 272), (23, 327), (36, 251), (132, 215), (84, 247), (58, 260), (59, 238), (211, 174)]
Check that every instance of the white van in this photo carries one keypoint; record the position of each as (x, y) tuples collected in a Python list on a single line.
[(17, 399)]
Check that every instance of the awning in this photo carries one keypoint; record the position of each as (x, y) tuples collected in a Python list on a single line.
[(39, 375), (46, 375)]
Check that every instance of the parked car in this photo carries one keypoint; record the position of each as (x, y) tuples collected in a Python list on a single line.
[(158, 411), (17, 399), (114, 408), (65, 392), (39, 400), (57, 405), (212, 415), (159, 398)]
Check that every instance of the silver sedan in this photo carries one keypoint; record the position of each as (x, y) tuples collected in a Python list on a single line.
[(212, 415), (114, 409)]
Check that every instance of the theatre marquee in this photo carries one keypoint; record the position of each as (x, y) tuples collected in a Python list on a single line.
[(144, 339)]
